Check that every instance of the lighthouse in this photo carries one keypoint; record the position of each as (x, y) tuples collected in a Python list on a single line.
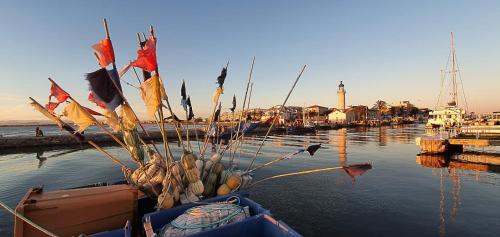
[(341, 97)]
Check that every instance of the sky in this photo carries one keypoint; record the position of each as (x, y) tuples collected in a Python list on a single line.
[(381, 50)]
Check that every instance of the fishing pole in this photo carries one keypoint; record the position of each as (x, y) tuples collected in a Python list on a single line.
[(274, 120), (243, 107), (352, 170)]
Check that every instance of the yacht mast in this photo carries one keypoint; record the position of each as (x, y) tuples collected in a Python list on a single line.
[(453, 74)]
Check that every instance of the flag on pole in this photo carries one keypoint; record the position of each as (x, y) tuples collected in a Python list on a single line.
[(78, 115), (112, 120), (92, 98), (234, 104), (105, 53), (184, 96), (146, 57), (102, 84), (356, 170), (128, 118), (151, 95), (222, 77), (191, 114), (217, 114), (217, 94), (59, 94)]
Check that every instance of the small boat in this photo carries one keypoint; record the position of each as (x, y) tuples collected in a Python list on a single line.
[(119, 209)]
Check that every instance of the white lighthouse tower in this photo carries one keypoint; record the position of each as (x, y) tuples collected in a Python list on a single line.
[(341, 97)]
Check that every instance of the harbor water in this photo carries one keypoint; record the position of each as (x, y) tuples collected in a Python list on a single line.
[(400, 196)]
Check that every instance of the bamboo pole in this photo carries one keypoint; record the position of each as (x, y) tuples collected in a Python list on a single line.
[(209, 125), (274, 120), (242, 140), (243, 108), (151, 30)]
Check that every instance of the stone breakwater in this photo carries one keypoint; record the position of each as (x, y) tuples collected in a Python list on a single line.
[(68, 140)]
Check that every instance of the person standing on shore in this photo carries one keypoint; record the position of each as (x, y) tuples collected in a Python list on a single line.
[(38, 132)]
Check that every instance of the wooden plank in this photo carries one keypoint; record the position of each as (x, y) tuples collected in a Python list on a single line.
[(470, 142)]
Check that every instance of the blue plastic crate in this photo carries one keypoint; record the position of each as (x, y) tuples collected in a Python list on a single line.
[(123, 232), (261, 225)]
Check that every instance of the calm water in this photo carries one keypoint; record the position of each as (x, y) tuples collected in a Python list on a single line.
[(402, 196)]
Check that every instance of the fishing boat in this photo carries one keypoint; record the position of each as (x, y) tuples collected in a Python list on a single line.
[(451, 115), (162, 190)]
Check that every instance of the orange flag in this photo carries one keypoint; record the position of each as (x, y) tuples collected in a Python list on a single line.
[(104, 50)]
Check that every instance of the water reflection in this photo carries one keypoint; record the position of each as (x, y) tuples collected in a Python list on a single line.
[(455, 166), (342, 147)]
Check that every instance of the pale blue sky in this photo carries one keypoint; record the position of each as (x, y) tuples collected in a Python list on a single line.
[(390, 50)]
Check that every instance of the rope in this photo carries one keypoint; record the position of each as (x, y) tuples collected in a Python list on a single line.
[(27, 220)]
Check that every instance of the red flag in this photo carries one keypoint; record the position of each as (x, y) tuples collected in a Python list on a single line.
[(97, 101), (146, 58), (51, 106), (59, 93), (104, 50)]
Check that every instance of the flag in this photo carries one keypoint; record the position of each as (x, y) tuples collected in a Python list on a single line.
[(124, 70), (234, 104), (217, 114), (59, 94), (191, 114), (104, 50), (313, 148), (102, 84), (183, 95), (112, 120), (58, 121), (92, 98), (162, 90), (51, 106), (47, 114), (146, 57), (131, 139), (217, 94), (78, 115), (356, 169), (151, 95), (128, 118), (222, 77)]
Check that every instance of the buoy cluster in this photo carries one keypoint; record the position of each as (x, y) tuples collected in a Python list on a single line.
[(187, 180)]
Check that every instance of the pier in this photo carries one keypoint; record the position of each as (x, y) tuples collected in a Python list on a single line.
[(453, 140)]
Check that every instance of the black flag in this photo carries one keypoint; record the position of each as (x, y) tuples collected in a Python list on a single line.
[(222, 77), (234, 104), (103, 87), (313, 148), (191, 114)]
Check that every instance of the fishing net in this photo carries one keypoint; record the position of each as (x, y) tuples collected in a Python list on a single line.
[(203, 218)]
